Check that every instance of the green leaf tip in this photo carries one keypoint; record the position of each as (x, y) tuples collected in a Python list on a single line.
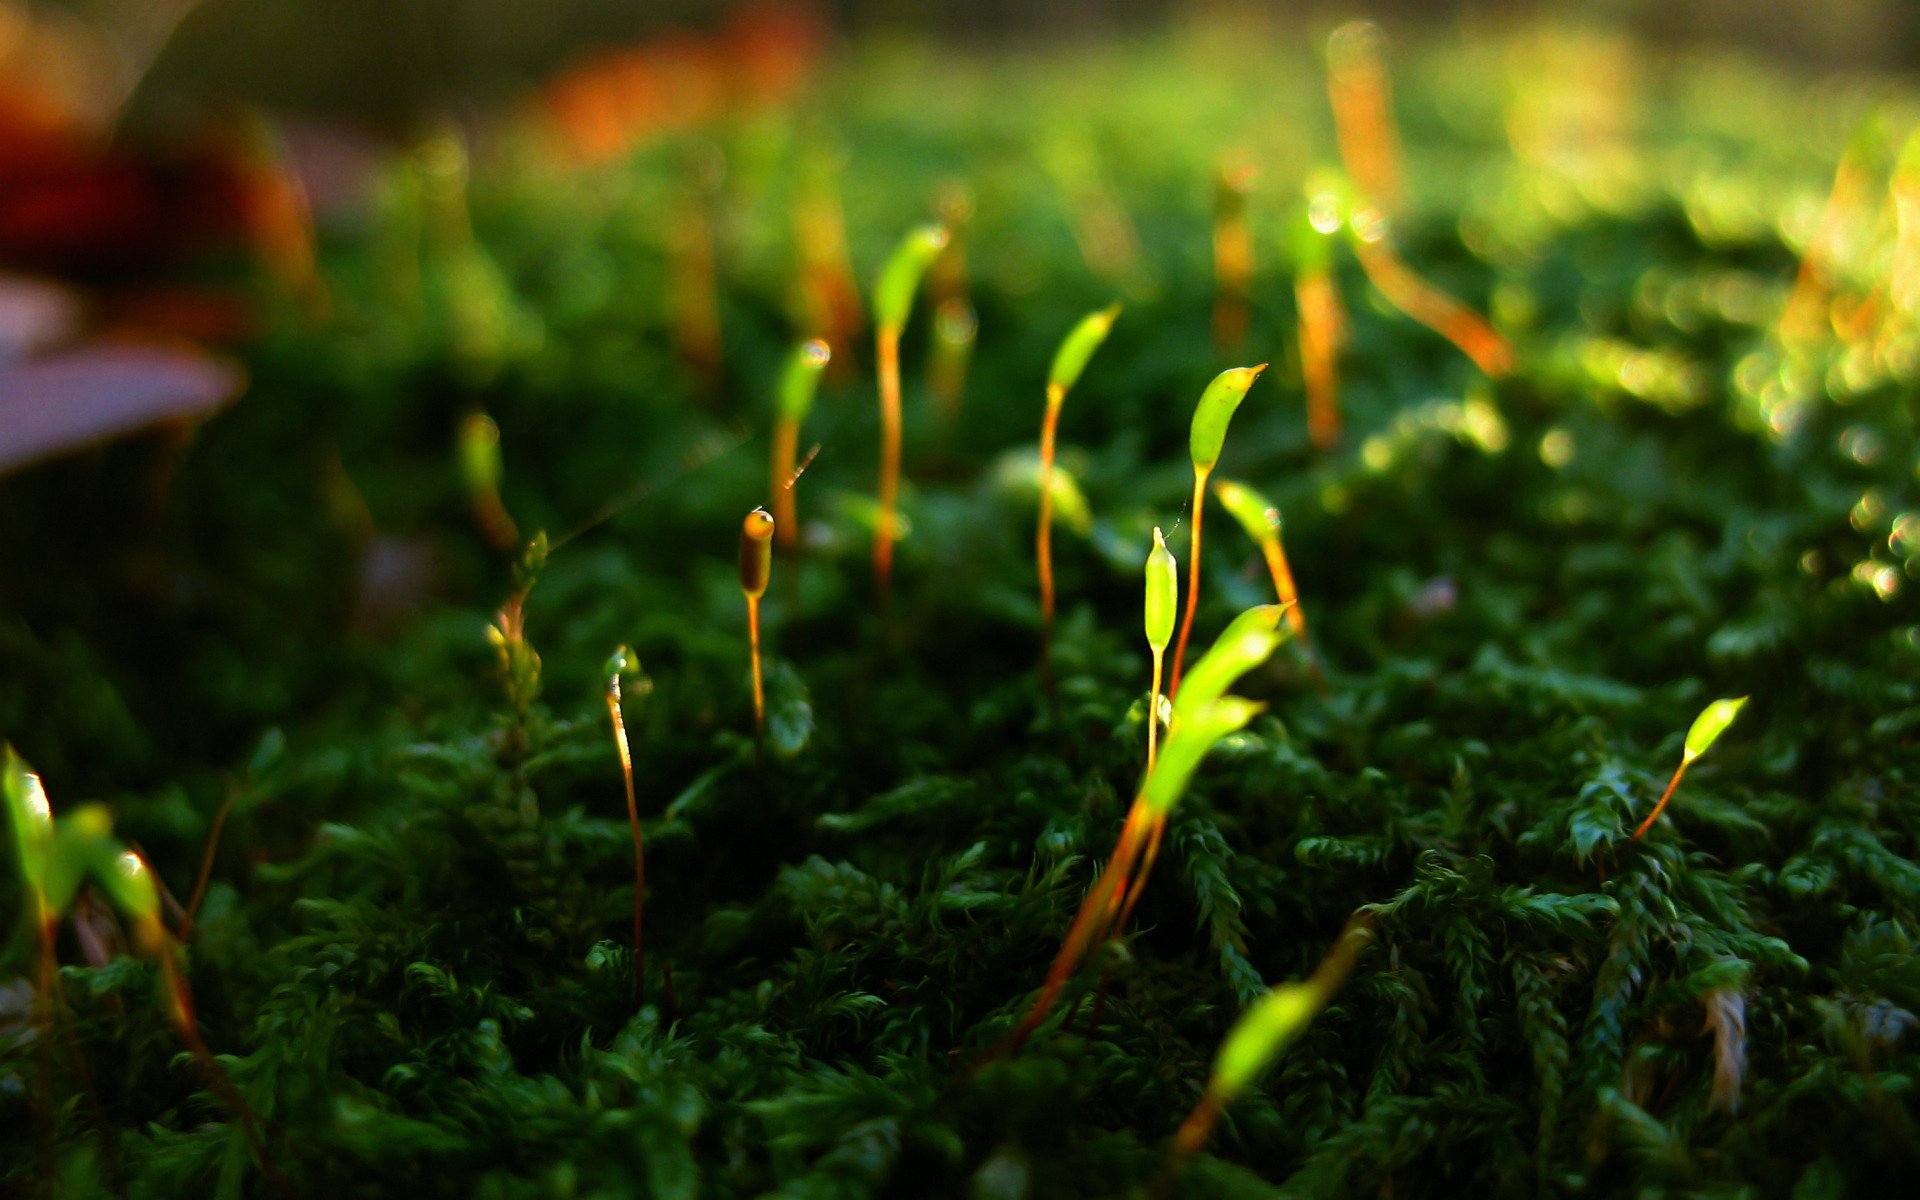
[(1163, 592), (900, 278), (1282, 1015), (480, 462), (1216, 408), (800, 381), (1255, 513), (1247, 642), (30, 815), (618, 663), (1195, 732), (1710, 724), (1077, 348)]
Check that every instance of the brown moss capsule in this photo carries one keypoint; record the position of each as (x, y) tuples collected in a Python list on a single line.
[(756, 553)]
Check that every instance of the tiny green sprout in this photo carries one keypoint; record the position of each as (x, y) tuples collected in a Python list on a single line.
[(1274, 1021), (1260, 517), (1701, 735), (481, 469), (1076, 349), (892, 302), (799, 382), (618, 664), (756, 569), (1206, 439), (1162, 600)]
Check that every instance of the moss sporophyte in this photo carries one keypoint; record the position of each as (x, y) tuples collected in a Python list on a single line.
[(793, 400), (892, 303), (1069, 360), (56, 859), (1202, 716), (620, 663), (1206, 439), (756, 568), (1701, 735), (1322, 320), (1260, 517), (1162, 601)]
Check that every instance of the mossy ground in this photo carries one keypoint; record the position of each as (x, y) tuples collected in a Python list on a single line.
[(414, 949)]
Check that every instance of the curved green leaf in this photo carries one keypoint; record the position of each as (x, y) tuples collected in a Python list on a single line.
[(1710, 724), (900, 278), (801, 379), (1077, 347), (1217, 404)]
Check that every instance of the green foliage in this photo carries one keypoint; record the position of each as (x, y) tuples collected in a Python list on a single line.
[(413, 953)]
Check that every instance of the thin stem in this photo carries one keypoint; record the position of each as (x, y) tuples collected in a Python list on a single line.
[(47, 929), (887, 345), (1153, 710), (180, 998), (1320, 321), (1193, 576), (1433, 308), (1288, 595), (206, 864), (1043, 539), (786, 445), (1156, 833), (759, 691), (625, 751), (1664, 797)]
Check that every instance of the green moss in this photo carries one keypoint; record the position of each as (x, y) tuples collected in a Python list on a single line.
[(415, 947)]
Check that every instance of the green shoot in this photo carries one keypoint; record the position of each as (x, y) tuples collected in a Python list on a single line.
[(1701, 735), (1068, 362), (798, 384), (756, 568), (1262, 1033), (56, 858), (1163, 599), (1206, 439), (519, 662), (618, 665), (892, 302), (1206, 716), (481, 469), (1261, 519), (1232, 253)]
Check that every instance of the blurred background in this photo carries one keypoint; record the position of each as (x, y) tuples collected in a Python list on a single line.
[(385, 62)]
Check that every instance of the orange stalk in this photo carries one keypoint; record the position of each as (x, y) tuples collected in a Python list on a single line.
[(1430, 306), (786, 447), (1321, 332), (625, 750), (1043, 535), (887, 347), (1363, 113), (1665, 796), (1193, 577)]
